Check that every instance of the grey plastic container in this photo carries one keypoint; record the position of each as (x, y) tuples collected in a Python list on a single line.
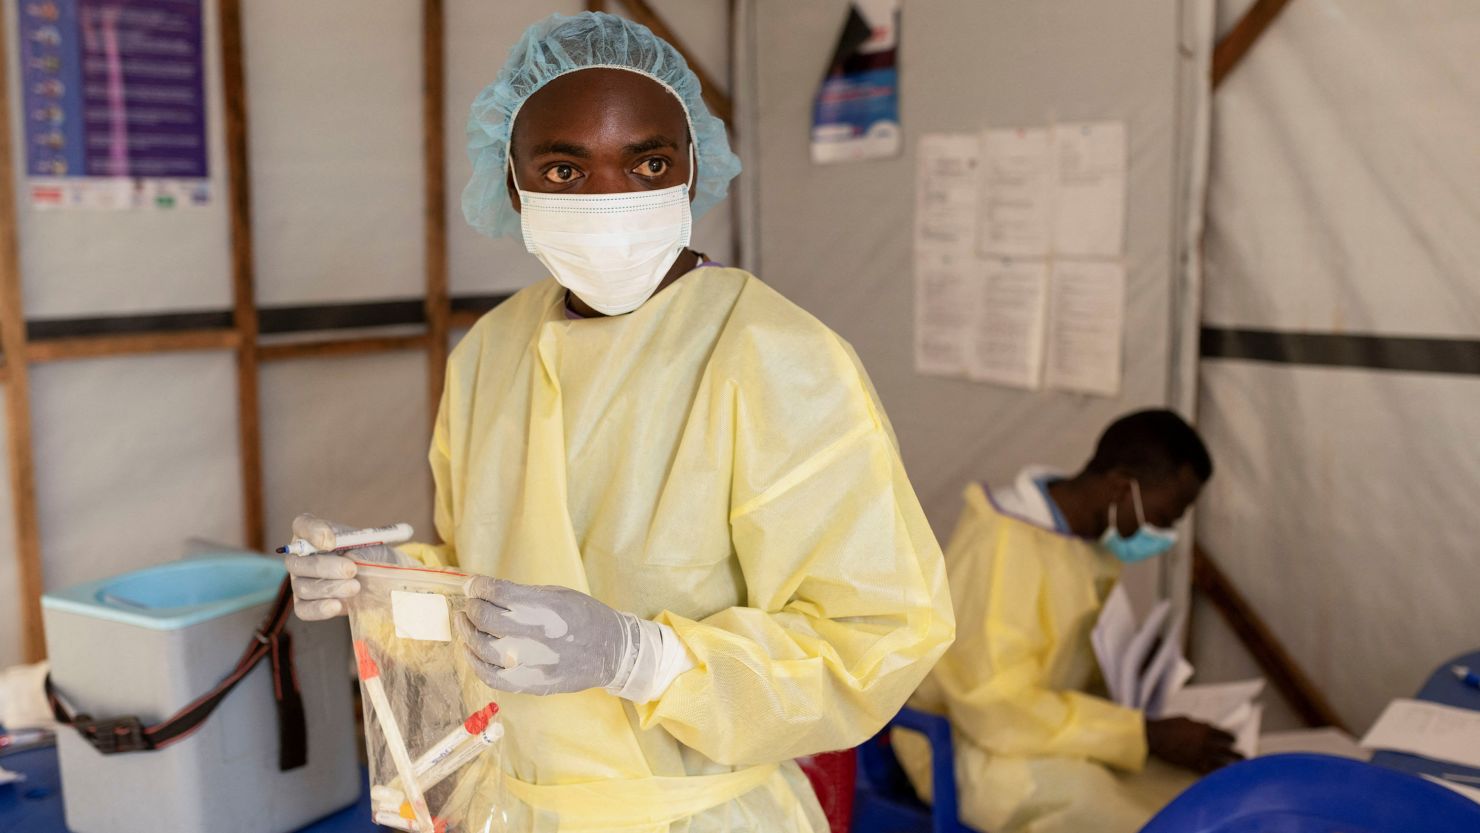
[(150, 642)]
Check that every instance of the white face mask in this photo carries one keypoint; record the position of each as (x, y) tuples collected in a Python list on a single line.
[(611, 250)]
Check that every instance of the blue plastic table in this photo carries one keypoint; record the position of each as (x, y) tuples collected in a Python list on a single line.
[(35, 805), (1442, 687)]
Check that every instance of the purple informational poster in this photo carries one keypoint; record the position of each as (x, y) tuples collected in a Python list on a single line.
[(114, 103)]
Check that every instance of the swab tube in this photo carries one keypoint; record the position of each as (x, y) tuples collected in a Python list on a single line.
[(395, 744)]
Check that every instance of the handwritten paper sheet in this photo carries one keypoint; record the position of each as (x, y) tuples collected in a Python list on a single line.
[(1086, 321), (1090, 189), (1016, 200), (945, 229), (1007, 338)]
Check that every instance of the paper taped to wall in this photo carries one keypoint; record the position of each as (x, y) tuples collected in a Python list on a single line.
[(1006, 345), (1086, 322), (1089, 195), (1015, 204), (946, 286)]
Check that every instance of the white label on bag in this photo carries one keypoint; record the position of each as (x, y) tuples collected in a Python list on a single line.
[(421, 616)]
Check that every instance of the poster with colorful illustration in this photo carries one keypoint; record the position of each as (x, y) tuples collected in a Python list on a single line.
[(856, 112), (114, 103)]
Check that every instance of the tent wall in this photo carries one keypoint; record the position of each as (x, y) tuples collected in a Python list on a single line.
[(1341, 216), (837, 239), (136, 454)]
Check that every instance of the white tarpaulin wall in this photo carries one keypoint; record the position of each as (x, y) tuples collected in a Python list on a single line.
[(135, 454), (1342, 202), (837, 239)]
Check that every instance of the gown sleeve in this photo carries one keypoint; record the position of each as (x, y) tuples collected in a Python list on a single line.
[(847, 606)]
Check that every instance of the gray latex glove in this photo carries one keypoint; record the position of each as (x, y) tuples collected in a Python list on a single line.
[(322, 583), (545, 640)]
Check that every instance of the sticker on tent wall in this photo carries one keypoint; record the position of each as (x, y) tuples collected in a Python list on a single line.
[(423, 616)]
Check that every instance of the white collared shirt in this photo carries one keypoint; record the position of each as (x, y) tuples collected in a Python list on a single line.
[(1027, 498)]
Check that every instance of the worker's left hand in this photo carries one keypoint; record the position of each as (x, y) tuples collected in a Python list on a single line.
[(545, 640), (1191, 744)]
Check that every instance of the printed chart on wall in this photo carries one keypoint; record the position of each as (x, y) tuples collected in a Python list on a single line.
[(114, 103), (1019, 235)]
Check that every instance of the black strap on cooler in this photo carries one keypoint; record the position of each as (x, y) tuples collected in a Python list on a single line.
[(272, 641)]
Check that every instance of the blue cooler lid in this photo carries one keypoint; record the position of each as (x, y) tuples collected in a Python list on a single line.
[(177, 595)]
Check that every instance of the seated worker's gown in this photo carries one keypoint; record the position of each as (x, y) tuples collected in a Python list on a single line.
[(715, 460), (1034, 752)]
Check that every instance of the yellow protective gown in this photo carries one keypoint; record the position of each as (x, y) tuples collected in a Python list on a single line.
[(1033, 751), (716, 460)]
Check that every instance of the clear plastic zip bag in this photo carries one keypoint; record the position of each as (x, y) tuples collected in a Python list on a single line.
[(432, 730)]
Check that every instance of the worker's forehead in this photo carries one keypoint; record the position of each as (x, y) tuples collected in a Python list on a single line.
[(593, 101)]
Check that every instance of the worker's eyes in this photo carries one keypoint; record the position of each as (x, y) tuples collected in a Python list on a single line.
[(562, 174), (652, 168)]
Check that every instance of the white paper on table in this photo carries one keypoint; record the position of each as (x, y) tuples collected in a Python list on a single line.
[(1111, 637), (1086, 322), (8, 777), (1090, 189), (1215, 703), (1472, 793), (1016, 192), (1326, 741), (1432, 730), (1006, 344), (946, 294), (1246, 732), (945, 193)]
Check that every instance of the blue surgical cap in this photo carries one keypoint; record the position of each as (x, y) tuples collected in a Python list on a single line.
[(558, 45)]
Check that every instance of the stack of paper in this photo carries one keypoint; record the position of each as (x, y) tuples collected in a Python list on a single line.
[(1432, 730), (1144, 669)]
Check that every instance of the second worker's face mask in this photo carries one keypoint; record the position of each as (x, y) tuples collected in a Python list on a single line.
[(1148, 541), (611, 250)]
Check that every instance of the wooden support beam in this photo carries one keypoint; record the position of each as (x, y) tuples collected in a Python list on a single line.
[(244, 296), (714, 95), (433, 115), (1242, 37), (1281, 668), (17, 389), (334, 347), (92, 347)]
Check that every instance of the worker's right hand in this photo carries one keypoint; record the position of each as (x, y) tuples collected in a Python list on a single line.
[(1189, 744), (322, 583)]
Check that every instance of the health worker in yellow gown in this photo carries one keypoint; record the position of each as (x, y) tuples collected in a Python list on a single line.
[(1030, 565), (704, 558)]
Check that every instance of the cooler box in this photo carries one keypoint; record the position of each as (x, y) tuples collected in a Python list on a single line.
[(150, 642)]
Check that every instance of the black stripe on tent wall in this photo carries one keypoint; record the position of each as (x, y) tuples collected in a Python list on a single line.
[(1415, 355), (271, 320)]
